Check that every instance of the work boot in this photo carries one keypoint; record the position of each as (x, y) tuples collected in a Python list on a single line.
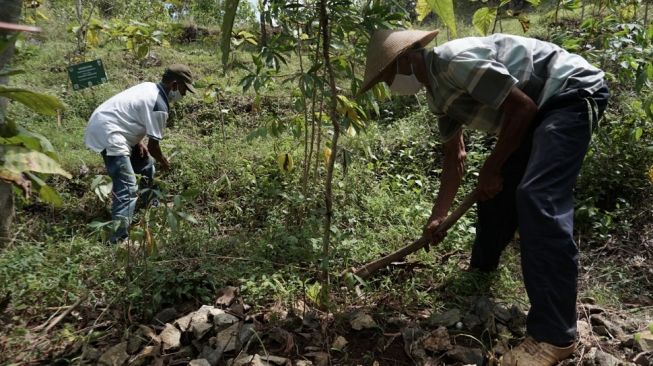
[(533, 353)]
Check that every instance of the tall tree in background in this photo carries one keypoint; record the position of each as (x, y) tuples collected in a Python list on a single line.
[(230, 8), (10, 14)]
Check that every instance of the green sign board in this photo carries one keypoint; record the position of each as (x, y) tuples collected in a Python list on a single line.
[(87, 74)]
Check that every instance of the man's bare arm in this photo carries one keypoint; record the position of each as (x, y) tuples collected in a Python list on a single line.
[(519, 111), (155, 150)]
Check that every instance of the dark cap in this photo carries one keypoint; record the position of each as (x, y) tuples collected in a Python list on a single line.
[(182, 73)]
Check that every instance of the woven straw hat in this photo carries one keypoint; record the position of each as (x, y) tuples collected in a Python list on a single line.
[(385, 46)]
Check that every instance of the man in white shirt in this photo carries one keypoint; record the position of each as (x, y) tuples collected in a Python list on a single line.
[(116, 130)]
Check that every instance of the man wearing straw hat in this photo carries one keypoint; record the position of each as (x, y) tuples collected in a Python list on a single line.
[(542, 102)]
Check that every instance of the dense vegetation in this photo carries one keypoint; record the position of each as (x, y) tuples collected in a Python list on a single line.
[(253, 154)]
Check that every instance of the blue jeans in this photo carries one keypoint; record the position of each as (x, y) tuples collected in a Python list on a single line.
[(123, 170), (537, 198)]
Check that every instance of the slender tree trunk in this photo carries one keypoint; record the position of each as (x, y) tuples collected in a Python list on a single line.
[(328, 197), (646, 4), (264, 34), (10, 13)]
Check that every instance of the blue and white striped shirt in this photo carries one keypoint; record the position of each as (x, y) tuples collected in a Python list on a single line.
[(471, 77)]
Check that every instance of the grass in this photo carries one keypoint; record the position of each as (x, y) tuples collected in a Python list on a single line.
[(256, 228)]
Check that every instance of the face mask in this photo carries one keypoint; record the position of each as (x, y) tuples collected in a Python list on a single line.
[(174, 96), (405, 84)]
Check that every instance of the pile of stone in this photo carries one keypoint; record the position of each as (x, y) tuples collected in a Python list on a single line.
[(223, 334)]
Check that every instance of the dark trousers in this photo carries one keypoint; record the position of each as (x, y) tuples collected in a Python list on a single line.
[(537, 198)]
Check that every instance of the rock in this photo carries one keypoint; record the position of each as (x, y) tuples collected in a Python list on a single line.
[(339, 343), (447, 319), (199, 362), (212, 356), (438, 340), (596, 357), (246, 333), (320, 358), (170, 337), (468, 356), (502, 313), (584, 333), (360, 321), (165, 316), (220, 320), (483, 309), (134, 342), (226, 296), (398, 321), (199, 322), (275, 360), (200, 329), (258, 360), (471, 321), (644, 359), (114, 356), (227, 340), (413, 346), (612, 329), (303, 363), (183, 323), (644, 341), (90, 353), (517, 323)]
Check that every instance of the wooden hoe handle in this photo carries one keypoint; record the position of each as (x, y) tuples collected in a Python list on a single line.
[(368, 269)]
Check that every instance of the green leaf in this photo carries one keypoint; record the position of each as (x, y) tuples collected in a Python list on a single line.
[(483, 19), (38, 102), (638, 133), (171, 219), (534, 2), (143, 50), (187, 217), (642, 78), (18, 159), (648, 107), (102, 187), (443, 9), (49, 195)]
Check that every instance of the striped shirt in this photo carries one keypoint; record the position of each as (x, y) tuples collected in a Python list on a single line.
[(471, 77)]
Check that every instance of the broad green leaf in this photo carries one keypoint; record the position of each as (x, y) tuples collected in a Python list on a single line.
[(18, 159), (143, 50), (534, 2), (442, 8), (171, 219), (102, 187), (483, 19), (38, 102), (285, 162), (187, 217), (49, 195)]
